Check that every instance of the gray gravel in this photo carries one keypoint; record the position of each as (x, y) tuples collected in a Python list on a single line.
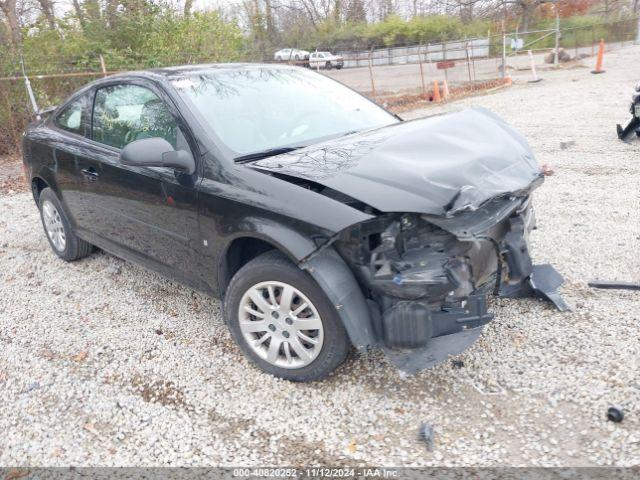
[(103, 363)]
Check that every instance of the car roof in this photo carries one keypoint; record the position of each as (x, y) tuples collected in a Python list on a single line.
[(182, 70)]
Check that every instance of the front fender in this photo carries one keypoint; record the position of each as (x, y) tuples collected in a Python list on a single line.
[(335, 277)]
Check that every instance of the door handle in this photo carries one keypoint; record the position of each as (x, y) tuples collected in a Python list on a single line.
[(90, 174)]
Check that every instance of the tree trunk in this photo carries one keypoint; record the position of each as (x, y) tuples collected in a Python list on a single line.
[(528, 8), (47, 9), (112, 13), (337, 12), (188, 5), (80, 15), (8, 7)]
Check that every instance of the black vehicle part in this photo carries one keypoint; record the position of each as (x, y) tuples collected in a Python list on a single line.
[(632, 127), (157, 152), (543, 282), (435, 352), (407, 325), (614, 285), (75, 248), (404, 257), (516, 252), (399, 168), (335, 277), (615, 414), (472, 313), (413, 325), (273, 265), (427, 434)]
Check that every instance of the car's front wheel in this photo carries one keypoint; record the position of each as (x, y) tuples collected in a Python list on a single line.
[(328, 65), (64, 242), (283, 321)]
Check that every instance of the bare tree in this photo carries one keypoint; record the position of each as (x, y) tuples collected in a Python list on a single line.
[(10, 11), (188, 5), (46, 7)]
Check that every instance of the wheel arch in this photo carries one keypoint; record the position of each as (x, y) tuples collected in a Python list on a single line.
[(242, 249), (327, 269), (37, 185)]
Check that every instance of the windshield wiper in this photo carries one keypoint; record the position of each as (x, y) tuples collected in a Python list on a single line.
[(265, 153)]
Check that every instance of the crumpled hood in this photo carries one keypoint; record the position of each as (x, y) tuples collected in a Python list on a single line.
[(436, 165)]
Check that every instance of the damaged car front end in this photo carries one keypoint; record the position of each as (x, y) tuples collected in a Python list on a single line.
[(425, 271)]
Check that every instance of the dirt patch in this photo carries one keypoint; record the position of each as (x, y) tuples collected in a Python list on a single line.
[(12, 179), (164, 392), (404, 102)]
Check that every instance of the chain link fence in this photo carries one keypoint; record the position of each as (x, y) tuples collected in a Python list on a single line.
[(387, 75)]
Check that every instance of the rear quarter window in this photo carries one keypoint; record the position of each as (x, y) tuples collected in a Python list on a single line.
[(73, 117)]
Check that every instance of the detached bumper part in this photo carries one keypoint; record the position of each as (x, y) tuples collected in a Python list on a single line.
[(437, 351), (632, 127), (416, 338), (543, 282)]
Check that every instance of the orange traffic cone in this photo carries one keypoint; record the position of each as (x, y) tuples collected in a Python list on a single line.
[(599, 60), (436, 91), (445, 89), (508, 81)]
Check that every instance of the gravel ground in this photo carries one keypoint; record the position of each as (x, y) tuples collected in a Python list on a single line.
[(104, 363)]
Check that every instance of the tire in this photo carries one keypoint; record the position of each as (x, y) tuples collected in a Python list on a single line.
[(328, 66), (338, 67), (316, 361), (64, 242)]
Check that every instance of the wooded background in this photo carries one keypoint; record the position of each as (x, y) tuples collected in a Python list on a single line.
[(64, 38)]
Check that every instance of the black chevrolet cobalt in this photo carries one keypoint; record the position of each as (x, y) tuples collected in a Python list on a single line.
[(321, 220)]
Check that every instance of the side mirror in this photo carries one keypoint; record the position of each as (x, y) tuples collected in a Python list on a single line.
[(157, 152)]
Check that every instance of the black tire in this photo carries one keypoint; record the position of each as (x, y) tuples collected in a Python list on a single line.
[(74, 247), (274, 266), (338, 67), (328, 66)]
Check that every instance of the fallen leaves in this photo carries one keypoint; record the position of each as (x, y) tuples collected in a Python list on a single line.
[(16, 473), (352, 447), (80, 357), (91, 428)]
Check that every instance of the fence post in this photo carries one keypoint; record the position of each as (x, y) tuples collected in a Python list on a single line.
[(466, 46), (504, 54), (444, 59), (103, 66), (555, 57), (424, 89), (373, 85)]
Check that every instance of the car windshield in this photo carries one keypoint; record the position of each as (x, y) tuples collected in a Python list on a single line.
[(257, 109)]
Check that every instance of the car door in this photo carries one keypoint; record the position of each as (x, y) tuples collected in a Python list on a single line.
[(63, 147), (149, 212)]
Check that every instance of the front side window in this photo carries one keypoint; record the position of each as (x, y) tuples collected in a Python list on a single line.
[(259, 108), (72, 117), (125, 113)]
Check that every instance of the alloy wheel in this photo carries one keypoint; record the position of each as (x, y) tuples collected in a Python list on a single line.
[(281, 324), (53, 225)]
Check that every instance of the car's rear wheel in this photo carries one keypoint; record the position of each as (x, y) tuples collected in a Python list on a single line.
[(283, 321), (328, 65), (64, 242)]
